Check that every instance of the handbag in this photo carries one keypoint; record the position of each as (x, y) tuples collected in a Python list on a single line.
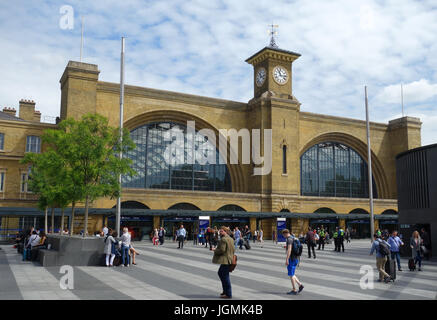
[(233, 264)]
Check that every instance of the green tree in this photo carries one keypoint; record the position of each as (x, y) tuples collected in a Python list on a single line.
[(90, 149), (81, 163), (44, 180)]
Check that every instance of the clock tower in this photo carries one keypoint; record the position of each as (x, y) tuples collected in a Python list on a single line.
[(273, 71)]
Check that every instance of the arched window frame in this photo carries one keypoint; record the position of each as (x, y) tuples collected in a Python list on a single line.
[(143, 135), (333, 145)]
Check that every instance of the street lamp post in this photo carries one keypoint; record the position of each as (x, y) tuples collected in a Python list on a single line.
[(118, 215), (369, 162)]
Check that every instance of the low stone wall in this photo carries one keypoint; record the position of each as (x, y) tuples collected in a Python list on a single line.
[(73, 251)]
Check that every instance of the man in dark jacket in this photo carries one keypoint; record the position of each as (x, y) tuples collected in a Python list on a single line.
[(161, 234), (223, 255), (310, 241)]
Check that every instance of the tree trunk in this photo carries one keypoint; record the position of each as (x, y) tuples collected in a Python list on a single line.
[(46, 230), (62, 221), (53, 221), (85, 227), (73, 204)]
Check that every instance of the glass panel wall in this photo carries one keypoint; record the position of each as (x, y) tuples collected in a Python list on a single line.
[(333, 169), (164, 156)]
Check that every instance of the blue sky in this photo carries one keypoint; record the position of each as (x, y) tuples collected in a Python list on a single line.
[(199, 47)]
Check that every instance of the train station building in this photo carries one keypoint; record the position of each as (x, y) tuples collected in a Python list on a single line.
[(319, 162)]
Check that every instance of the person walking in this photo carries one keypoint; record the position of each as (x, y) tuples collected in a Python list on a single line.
[(207, 237), (340, 239), (195, 237), (237, 236), (322, 235), (415, 243), (180, 235), (347, 235), (395, 243), (215, 237), (125, 244), (381, 257), (161, 235), (155, 239), (292, 261), (223, 255), (255, 236), (261, 234), (109, 249), (310, 241)]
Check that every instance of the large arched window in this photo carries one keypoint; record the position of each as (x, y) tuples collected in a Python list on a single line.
[(161, 160), (333, 169)]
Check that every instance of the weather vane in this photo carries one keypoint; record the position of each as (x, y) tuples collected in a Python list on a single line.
[(273, 33)]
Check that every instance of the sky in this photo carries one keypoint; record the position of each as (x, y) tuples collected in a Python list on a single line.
[(200, 47)]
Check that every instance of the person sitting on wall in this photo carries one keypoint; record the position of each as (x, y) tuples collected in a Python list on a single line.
[(133, 253), (42, 245)]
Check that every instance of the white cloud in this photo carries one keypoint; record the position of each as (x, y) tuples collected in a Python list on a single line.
[(416, 91), (199, 47)]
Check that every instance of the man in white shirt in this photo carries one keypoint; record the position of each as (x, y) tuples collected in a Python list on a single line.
[(180, 235), (125, 244), (105, 231)]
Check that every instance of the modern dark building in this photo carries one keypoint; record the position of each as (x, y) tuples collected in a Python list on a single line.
[(416, 173)]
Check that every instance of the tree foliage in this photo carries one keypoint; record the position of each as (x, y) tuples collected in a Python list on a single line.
[(81, 163)]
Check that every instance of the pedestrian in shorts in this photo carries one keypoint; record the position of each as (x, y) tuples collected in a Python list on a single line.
[(291, 261)]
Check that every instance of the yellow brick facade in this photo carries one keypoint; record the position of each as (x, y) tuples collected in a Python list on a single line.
[(82, 91)]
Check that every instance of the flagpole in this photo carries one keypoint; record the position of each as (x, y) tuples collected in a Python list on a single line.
[(121, 130), (81, 40), (402, 100), (369, 165)]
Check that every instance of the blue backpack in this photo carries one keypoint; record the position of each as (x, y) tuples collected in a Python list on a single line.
[(297, 247)]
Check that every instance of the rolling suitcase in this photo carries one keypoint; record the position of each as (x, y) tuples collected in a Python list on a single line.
[(390, 268), (411, 264)]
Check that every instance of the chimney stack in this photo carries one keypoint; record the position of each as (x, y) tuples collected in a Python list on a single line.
[(27, 111), (10, 111)]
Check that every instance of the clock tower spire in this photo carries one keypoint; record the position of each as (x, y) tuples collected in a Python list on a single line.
[(273, 69)]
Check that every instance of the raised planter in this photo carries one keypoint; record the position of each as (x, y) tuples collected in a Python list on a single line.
[(73, 251)]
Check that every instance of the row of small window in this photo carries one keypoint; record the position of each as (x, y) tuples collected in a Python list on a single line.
[(33, 143), (23, 185)]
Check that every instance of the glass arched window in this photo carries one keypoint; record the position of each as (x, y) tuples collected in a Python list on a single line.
[(161, 160), (333, 169)]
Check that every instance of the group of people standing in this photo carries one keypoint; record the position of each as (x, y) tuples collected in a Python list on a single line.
[(387, 247), (120, 248), (320, 236)]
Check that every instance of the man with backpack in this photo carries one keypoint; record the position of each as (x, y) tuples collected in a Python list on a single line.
[(293, 250), (382, 249)]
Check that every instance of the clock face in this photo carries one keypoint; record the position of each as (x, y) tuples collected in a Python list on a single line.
[(260, 77), (280, 75)]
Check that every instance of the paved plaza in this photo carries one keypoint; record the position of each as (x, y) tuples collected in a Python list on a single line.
[(165, 272)]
